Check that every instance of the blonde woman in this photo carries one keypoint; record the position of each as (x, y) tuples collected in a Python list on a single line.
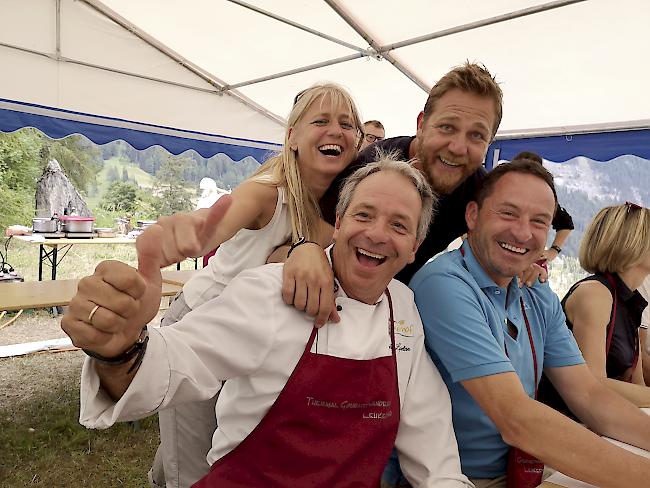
[(604, 310), (278, 204)]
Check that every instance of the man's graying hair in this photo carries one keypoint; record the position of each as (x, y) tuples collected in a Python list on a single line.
[(387, 162)]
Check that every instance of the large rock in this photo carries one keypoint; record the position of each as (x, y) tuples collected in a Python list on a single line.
[(54, 192)]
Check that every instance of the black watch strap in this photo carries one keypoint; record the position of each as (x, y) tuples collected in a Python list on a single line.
[(137, 349), (557, 248)]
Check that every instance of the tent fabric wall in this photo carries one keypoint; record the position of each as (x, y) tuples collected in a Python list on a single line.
[(599, 146), (57, 123)]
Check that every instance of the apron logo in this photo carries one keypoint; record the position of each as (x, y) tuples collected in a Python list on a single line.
[(404, 330)]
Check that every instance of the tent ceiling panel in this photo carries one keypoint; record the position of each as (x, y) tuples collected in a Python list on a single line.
[(385, 94), (79, 88), (319, 16), (33, 78), (28, 24), (391, 22), (171, 106), (551, 75), (86, 34), (236, 44)]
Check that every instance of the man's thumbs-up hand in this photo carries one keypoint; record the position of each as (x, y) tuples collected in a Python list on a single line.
[(112, 306)]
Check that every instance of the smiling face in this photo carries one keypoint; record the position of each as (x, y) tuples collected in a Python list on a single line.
[(325, 140), (452, 141), (376, 237), (508, 232), (371, 134)]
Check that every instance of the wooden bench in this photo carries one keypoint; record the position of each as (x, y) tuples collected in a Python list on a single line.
[(46, 294)]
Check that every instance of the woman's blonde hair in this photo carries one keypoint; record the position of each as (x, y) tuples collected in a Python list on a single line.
[(617, 238), (282, 169)]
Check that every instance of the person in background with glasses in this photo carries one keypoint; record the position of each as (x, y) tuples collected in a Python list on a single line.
[(604, 310), (373, 131)]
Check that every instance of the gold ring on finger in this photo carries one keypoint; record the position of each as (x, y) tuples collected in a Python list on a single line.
[(91, 314)]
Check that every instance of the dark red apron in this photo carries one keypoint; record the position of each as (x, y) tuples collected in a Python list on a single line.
[(333, 424)]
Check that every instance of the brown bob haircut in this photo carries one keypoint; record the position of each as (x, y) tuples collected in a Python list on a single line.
[(617, 238)]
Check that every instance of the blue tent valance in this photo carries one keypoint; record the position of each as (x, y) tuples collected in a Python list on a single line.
[(58, 123), (599, 146)]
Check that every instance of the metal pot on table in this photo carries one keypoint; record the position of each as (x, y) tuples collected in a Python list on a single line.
[(105, 232), (75, 223), (45, 225)]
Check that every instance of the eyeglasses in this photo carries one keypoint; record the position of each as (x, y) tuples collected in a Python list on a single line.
[(632, 206), (372, 138)]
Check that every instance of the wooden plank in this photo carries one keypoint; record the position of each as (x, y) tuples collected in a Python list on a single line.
[(46, 294)]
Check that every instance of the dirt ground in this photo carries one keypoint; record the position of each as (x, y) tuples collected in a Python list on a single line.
[(23, 376)]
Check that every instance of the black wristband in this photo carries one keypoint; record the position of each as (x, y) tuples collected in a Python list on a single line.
[(557, 248), (300, 242), (137, 349)]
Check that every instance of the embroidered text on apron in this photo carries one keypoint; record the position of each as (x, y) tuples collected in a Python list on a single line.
[(333, 424)]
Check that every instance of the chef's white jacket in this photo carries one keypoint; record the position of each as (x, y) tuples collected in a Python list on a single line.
[(249, 337)]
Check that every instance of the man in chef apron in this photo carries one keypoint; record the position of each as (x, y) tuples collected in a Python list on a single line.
[(300, 406)]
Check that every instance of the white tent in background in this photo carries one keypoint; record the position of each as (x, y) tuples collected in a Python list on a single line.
[(219, 71)]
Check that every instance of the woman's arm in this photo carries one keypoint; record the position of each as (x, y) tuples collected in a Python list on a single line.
[(196, 233), (589, 309), (279, 255), (308, 281)]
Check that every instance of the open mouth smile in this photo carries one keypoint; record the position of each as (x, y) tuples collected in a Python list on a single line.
[(449, 163), (368, 258), (330, 150), (511, 248)]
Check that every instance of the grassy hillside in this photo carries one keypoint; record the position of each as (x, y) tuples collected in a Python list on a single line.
[(144, 179)]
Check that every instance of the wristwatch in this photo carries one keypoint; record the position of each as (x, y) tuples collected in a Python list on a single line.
[(557, 248), (136, 350)]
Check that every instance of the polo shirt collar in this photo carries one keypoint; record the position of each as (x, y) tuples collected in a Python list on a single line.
[(482, 279)]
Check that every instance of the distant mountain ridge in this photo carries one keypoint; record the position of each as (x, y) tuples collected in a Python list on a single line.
[(585, 186)]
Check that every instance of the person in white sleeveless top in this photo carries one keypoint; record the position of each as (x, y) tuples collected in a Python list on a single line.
[(276, 205)]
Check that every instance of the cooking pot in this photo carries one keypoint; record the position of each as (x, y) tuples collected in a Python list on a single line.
[(105, 232), (45, 224), (74, 223)]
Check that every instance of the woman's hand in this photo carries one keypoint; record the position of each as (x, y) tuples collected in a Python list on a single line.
[(308, 283), (187, 235)]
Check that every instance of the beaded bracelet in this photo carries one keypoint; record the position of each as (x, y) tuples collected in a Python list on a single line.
[(300, 242)]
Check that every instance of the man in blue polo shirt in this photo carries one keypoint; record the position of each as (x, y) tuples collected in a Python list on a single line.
[(491, 339)]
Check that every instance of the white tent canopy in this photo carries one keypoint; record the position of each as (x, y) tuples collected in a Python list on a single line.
[(215, 67)]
